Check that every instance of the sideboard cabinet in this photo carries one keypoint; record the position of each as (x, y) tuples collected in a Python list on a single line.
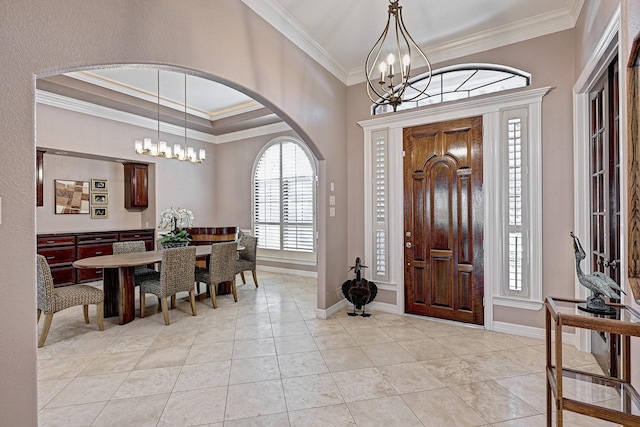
[(62, 249)]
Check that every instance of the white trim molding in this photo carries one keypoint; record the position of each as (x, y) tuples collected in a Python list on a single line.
[(490, 108)]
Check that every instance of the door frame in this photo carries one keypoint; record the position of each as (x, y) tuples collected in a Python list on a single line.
[(489, 108), (606, 49)]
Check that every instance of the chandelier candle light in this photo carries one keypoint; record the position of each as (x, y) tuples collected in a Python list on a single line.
[(161, 148), (390, 91)]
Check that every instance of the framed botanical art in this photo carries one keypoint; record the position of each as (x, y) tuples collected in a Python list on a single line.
[(101, 199), (71, 197), (99, 212), (99, 185)]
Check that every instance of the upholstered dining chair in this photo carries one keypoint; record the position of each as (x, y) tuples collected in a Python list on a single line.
[(221, 269), (177, 275), (247, 257), (52, 300), (141, 272)]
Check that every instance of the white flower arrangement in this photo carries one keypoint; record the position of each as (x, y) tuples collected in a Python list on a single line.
[(177, 219)]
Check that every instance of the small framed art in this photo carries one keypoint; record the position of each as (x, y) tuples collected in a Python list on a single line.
[(101, 199), (99, 212), (99, 184)]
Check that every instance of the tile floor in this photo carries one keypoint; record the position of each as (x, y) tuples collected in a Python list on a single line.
[(267, 361)]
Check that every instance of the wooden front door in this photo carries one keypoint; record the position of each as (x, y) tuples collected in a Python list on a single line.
[(443, 222)]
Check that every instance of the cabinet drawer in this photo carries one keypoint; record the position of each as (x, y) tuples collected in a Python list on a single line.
[(89, 274), (45, 241), (88, 239), (60, 255), (87, 251), (137, 235), (63, 276)]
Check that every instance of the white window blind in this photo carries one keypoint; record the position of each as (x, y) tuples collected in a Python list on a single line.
[(380, 208), (284, 198), (517, 182)]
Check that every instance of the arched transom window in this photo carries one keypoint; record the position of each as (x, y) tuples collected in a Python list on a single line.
[(460, 82)]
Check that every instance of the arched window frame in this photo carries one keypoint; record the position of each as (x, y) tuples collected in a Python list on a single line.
[(290, 256), (458, 93)]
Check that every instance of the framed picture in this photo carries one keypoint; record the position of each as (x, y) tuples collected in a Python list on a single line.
[(99, 185), (71, 197), (99, 212), (99, 199)]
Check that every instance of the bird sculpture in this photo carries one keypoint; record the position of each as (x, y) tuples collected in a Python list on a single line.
[(599, 283), (359, 291)]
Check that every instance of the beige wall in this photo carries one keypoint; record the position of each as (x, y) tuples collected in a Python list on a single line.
[(550, 61), (50, 37)]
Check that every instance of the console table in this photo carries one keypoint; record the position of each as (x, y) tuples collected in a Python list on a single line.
[(562, 312)]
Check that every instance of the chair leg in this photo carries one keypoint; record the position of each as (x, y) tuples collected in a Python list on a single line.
[(165, 310), (85, 310), (173, 301), (192, 299), (39, 313), (48, 318), (143, 302), (234, 290), (100, 315), (255, 277), (244, 282), (212, 291)]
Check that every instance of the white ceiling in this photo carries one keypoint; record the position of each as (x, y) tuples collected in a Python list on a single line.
[(339, 34)]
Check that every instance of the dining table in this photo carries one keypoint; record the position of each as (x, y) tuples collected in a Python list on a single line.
[(118, 278)]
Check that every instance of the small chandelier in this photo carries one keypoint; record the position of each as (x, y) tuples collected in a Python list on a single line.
[(382, 86), (161, 148)]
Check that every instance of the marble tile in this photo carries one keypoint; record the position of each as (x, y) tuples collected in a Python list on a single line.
[(425, 349), (144, 411), (86, 347), (388, 412), (204, 353), (48, 389), (113, 362), (127, 343), (326, 416), (332, 340), (531, 389), (64, 367), (255, 399), (285, 316), (163, 357), (533, 421), (387, 354), (253, 332), (442, 407), (362, 384), (299, 364), (275, 420), (369, 336), (461, 344), (203, 375), (70, 416), (295, 344), (254, 348), (343, 359), (290, 329), (212, 335), (497, 341), (494, 366), (319, 326), (493, 402), (405, 332), (254, 369), (97, 388), (174, 338), (532, 358), (311, 391), (148, 382), (453, 371), (409, 377), (194, 407)]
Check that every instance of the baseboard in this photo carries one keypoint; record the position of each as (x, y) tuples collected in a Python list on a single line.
[(531, 332), (270, 269), (325, 314)]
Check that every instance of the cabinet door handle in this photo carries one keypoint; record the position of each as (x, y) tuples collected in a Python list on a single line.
[(98, 271), (137, 235), (50, 257), (98, 238), (99, 253), (51, 241)]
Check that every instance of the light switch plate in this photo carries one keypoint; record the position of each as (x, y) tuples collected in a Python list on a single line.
[(332, 200), (332, 187), (332, 211)]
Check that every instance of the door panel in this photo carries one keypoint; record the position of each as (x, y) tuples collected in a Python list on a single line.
[(443, 220)]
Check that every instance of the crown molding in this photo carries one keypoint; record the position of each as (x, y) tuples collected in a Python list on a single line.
[(282, 21), (535, 26), (83, 107), (530, 28)]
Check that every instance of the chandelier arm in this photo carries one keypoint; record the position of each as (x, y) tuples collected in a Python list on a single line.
[(406, 35), (369, 69)]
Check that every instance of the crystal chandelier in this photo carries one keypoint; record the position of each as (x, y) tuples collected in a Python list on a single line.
[(161, 148), (387, 81)]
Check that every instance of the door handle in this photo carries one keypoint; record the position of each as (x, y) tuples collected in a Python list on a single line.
[(408, 245)]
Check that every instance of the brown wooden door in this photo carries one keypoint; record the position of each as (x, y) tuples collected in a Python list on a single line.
[(443, 207)]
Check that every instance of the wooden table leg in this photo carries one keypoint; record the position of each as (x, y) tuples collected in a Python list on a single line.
[(126, 294), (110, 287)]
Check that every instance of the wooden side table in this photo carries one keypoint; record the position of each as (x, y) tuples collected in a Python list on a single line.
[(625, 410)]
